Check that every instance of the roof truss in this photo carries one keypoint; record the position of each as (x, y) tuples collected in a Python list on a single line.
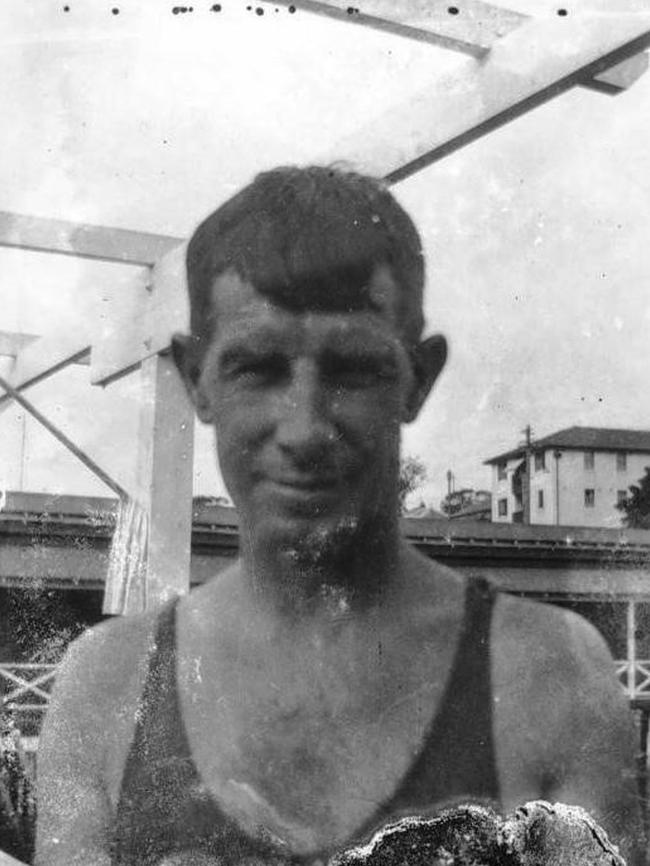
[(535, 60), (513, 63)]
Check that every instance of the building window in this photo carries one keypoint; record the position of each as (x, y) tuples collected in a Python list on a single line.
[(589, 460), (590, 497), (503, 507), (621, 461), (621, 496), (540, 462), (501, 471), (540, 498)]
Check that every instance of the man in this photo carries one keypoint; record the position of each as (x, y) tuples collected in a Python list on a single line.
[(333, 678)]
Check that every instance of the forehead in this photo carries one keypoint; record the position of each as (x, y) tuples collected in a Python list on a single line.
[(239, 311)]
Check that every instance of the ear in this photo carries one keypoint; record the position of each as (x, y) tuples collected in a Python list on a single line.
[(185, 352), (428, 358)]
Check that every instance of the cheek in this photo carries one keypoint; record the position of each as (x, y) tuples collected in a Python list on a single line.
[(241, 427), (241, 416), (373, 416)]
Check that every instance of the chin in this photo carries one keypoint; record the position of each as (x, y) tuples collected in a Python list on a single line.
[(311, 540)]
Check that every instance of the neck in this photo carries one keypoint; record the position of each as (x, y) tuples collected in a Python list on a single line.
[(327, 573)]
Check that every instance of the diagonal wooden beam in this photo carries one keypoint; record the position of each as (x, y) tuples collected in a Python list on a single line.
[(468, 26), (44, 357), (84, 241), (58, 434), (13, 344), (536, 62)]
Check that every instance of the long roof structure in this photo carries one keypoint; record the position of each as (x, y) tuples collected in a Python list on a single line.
[(62, 542), (584, 439)]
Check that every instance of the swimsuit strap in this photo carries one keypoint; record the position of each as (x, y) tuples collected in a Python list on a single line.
[(157, 761), (457, 762), (164, 807)]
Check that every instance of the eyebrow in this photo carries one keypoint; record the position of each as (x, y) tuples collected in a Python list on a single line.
[(350, 342), (256, 339)]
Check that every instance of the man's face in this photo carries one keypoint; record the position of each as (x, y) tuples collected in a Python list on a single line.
[(307, 408)]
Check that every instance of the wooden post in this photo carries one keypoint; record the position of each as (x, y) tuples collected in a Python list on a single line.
[(631, 648), (164, 478)]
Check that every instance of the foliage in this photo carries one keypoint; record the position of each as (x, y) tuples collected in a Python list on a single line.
[(412, 474), (636, 506), (17, 808)]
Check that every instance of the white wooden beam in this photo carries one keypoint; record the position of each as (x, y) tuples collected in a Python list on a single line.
[(85, 241), (534, 63), (163, 491), (162, 309), (165, 474), (468, 26), (631, 647)]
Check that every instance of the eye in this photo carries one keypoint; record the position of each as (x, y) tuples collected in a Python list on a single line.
[(264, 369)]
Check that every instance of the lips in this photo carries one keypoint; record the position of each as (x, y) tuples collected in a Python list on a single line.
[(305, 482), (302, 494)]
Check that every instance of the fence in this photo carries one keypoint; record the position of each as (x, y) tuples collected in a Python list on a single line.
[(25, 690)]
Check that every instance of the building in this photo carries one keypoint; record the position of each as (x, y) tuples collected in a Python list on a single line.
[(467, 504), (574, 477)]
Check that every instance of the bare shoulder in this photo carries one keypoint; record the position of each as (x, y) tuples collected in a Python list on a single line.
[(96, 691), (105, 659), (536, 639), (85, 737), (553, 668), (563, 726)]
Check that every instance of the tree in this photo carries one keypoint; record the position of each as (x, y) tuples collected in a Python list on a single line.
[(412, 474), (636, 506), (17, 795)]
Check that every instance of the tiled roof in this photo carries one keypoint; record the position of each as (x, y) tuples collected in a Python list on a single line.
[(585, 439)]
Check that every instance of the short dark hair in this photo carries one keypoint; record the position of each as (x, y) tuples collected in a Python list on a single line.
[(309, 238)]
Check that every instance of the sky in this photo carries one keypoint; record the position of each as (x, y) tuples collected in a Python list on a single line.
[(536, 236)]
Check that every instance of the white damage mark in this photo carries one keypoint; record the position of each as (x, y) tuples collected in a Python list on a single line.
[(536, 833)]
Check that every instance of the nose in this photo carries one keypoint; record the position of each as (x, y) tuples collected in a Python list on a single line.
[(304, 429)]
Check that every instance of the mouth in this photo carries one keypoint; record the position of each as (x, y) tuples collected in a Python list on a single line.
[(304, 483), (303, 491)]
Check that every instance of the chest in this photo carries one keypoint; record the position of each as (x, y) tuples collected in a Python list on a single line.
[(310, 742)]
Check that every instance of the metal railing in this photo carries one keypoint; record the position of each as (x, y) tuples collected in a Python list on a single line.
[(25, 688), (634, 677)]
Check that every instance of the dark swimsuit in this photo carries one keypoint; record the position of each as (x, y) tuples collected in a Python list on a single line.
[(164, 807)]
